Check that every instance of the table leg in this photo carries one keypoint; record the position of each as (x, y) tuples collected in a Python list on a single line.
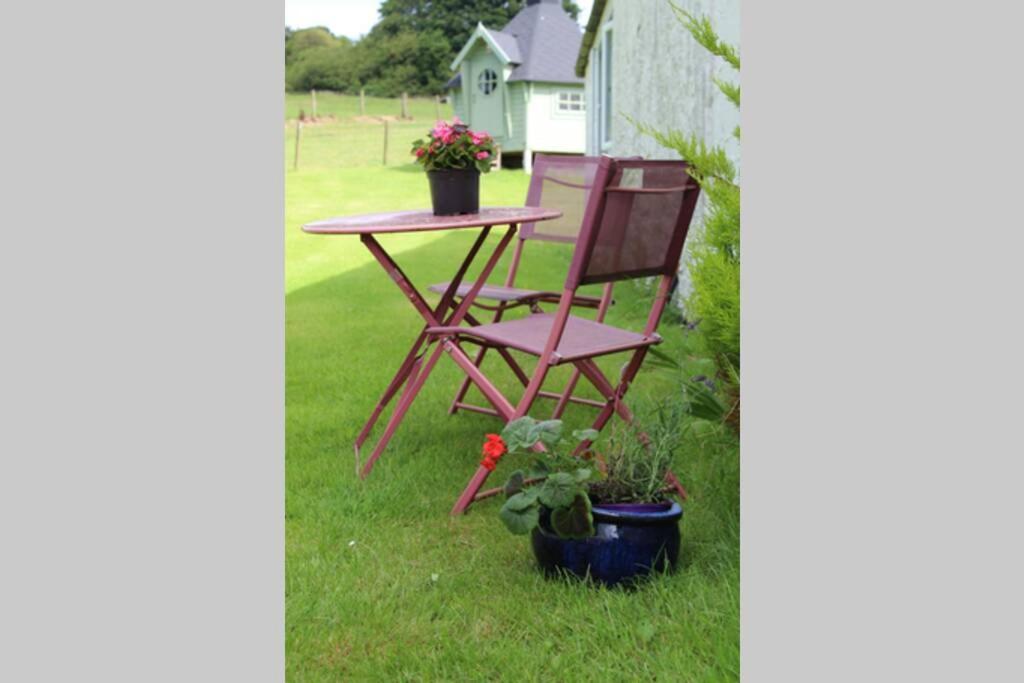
[(413, 372)]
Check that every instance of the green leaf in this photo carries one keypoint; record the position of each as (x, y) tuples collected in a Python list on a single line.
[(581, 475), (548, 432), (514, 484), (701, 403), (539, 470), (516, 433), (585, 434), (520, 514), (574, 520), (558, 490)]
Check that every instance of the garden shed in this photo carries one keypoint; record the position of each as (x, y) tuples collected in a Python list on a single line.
[(519, 83)]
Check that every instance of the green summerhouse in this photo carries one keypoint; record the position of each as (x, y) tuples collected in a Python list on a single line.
[(519, 83)]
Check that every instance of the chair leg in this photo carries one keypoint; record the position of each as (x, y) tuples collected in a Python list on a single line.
[(474, 485), (563, 401)]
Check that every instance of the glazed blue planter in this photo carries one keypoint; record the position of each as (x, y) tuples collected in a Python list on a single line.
[(630, 542)]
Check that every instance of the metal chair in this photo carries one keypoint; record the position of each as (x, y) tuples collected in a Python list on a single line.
[(634, 225), (557, 182)]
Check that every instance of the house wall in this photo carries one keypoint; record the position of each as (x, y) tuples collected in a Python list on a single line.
[(458, 99), (515, 106), (661, 76), (549, 130)]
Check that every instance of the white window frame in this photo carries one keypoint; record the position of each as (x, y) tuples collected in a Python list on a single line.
[(601, 68), (566, 99)]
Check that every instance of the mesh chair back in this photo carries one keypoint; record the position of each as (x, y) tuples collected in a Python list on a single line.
[(562, 183), (636, 221)]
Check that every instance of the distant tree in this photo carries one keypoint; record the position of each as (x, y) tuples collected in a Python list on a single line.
[(454, 19), (408, 50), (304, 39)]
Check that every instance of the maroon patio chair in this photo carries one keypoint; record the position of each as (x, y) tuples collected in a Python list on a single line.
[(562, 183), (634, 226)]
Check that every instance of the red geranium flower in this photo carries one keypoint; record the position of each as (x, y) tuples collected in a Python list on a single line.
[(494, 448)]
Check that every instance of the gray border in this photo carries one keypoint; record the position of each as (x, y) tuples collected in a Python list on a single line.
[(142, 494), (881, 341)]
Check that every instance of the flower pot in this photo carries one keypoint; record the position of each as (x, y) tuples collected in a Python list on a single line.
[(455, 191), (630, 542)]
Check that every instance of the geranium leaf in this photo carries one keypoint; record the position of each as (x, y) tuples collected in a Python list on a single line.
[(539, 470), (515, 483), (519, 514), (574, 520), (547, 432), (585, 434), (516, 433), (558, 490)]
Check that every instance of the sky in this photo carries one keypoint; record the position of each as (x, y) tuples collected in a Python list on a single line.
[(354, 18)]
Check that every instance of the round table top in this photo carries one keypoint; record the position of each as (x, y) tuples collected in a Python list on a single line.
[(417, 221)]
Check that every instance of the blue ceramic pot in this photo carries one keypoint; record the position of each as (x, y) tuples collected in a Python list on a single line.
[(630, 542)]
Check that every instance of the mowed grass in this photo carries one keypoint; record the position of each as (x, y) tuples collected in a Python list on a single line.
[(382, 585)]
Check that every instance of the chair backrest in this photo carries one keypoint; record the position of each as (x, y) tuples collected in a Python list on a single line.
[(562, 183), (635, 222)]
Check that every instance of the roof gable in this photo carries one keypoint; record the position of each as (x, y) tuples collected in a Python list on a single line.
[(541, 42), (506, 50)]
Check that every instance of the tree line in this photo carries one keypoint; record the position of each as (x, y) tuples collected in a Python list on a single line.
[(409, 49)]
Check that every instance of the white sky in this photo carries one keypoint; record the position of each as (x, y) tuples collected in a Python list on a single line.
[(354, 18)]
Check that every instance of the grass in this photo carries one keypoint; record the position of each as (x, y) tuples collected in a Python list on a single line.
[(381, 583)]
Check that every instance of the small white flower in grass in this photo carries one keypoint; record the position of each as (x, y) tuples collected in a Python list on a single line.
[(434, 578), (351, 544)]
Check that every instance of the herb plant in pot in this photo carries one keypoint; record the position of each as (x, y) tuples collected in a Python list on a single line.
[(454, 157), (602, 516)]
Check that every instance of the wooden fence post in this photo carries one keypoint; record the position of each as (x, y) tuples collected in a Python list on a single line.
[(385, 161), (362, 101), (405, 105), (314, 103), (298, 136)]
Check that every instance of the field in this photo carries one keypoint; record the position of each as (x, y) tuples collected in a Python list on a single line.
[(382, 585)]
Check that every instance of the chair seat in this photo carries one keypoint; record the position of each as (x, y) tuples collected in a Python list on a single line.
[(493, 292), (582, 338)]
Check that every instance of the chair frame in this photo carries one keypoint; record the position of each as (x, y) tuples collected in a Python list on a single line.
[(613, 393), (534, 197)]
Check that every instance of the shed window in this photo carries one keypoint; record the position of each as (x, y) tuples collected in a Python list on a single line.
[(487, 81), (570, 101)]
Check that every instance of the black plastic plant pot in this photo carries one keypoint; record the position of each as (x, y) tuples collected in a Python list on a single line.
[(455, 191), (631, 541)]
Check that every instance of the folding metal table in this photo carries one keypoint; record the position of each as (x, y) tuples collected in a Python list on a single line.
[(413, 371)]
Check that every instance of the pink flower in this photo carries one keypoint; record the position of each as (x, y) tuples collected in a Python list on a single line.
[(482, 155), (420, 152), (482, 136), (441, 130), (456, 121)]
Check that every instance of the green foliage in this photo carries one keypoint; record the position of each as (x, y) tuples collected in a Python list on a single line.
[(558, 490), (303, 40), (409, 50), (715, 252), (704, 33), (564, 481), (574, 520)]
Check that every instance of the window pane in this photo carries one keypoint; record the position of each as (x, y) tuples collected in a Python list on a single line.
[(606, 105)]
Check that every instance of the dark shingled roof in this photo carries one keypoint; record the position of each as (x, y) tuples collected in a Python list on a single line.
[(549, 42), (541, 41)]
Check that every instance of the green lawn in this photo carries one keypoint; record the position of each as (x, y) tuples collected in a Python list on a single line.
[(381, 583)]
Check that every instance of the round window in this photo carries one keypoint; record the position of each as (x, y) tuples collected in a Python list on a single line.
[(488, 81)]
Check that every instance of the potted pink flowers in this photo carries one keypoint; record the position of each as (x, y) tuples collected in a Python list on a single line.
[(454, 157)]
